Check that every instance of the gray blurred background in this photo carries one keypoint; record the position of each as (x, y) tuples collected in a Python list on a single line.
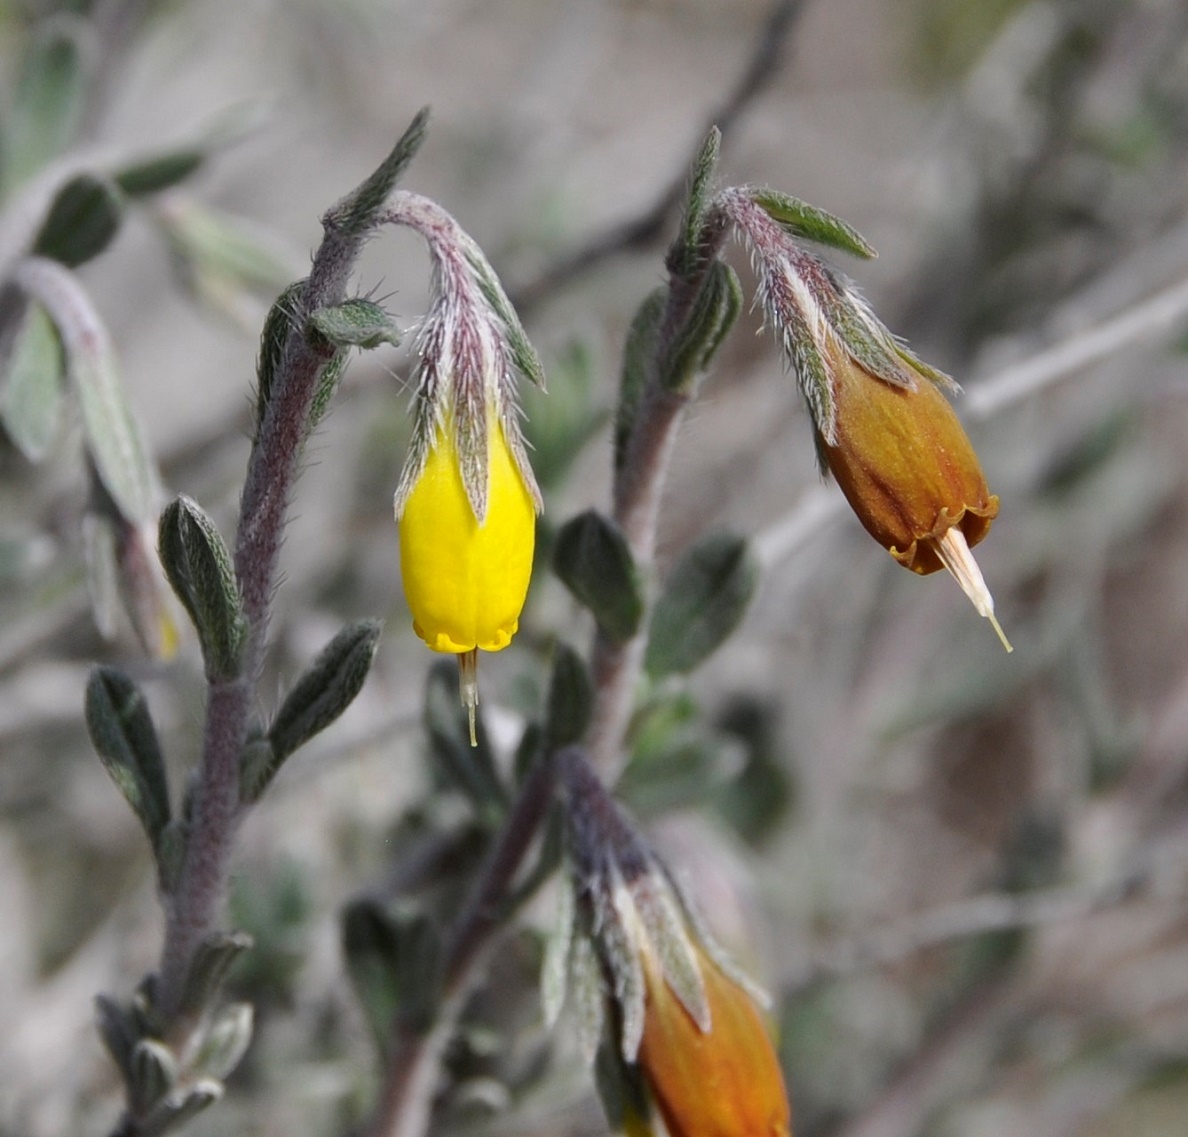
[(962, 875)]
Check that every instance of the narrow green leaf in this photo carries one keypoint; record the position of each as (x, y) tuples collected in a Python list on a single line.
[(158, 172), (355, 214), (114, 440), (704, 600), (328, 383), (50, 97), (209, 968), (327, 688), (569, 705), (31, 395), (713, 314), (281, 319), (594, 562), (357, 322), (469, 769), (865, 338), (226, 1040), (701, 175), (125, 739), (812, 224), (83, 219), (639, 363), (524, 356), (199, 568), (154, 1074)]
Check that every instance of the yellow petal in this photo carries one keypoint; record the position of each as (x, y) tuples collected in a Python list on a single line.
[(466, 583)]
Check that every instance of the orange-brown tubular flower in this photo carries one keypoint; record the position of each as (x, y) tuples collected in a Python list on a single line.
[(883, 425), (723, 1082), (685, 1023), (906, 465)]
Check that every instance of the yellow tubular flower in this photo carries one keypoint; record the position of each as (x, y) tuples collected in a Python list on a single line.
[(724, 1082), (467, 502), (466, 582)]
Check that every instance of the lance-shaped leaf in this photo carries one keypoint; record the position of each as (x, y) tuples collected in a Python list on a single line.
[(356, 213), (570, 701), (159, 172), (717, 306), (82, 221), (31, 391), (123, 735), (394, 962), (279, 323), (470, 769), (114, 440), (49, 100), (154, 1074), (209, 968), (704, 599), (523, 354), (327, 688), (327, 386), (812, 224), (594, 562), (687, 251), (225, 1041), (163, 169), (199, 567), (639, 361), (357, 322)]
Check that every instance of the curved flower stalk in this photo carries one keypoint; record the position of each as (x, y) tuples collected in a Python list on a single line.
[(687, 1026), (883, 426), (467, 500)]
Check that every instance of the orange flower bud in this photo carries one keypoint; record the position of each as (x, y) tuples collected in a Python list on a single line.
[(722, 1082), (906, 465)]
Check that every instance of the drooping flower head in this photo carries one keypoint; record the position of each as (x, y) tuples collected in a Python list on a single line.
[(467, 500), (684, 1022), (882, 423)]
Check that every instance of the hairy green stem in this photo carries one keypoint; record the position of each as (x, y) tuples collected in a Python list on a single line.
[(194, 909)]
